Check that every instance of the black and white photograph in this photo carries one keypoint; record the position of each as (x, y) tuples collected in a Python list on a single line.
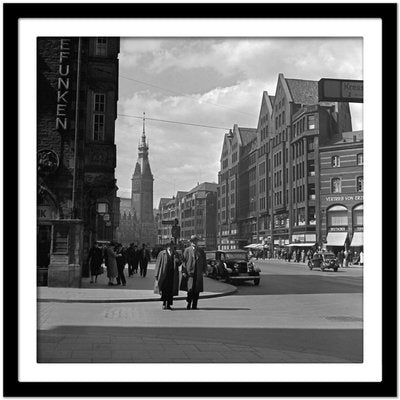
[(197, 189), (198, 211)]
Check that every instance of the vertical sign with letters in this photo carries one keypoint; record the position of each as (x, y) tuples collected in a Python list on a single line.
[(63, 83)]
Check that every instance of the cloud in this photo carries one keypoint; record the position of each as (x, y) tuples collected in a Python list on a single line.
[(214, 82)]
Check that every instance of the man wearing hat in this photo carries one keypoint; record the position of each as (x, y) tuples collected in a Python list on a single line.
[(193, 267), (167, 275)]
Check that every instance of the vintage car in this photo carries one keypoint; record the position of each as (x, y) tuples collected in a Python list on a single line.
[(323, 261), (231, 266)]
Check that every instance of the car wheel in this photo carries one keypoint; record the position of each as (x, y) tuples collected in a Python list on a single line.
[(256, 282), (335, 269)]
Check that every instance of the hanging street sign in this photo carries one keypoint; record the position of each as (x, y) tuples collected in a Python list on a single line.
[(342, 90)]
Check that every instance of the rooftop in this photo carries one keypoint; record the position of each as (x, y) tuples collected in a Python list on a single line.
[(303, 91)]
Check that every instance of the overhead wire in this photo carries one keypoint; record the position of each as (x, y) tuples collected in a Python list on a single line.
[(184, 94), (173, 122)]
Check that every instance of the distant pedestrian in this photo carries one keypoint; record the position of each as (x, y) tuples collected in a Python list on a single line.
[(135, 264), (130, 256), (144, 258), (361, 258), (193, 267), (112, 269), (346, 258), (120, 264), (95, 259), (298, 255), (166, 275), (340, 257), (303, 256)]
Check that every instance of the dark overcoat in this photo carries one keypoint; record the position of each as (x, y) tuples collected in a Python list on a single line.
[(191, 258), (160, 272)]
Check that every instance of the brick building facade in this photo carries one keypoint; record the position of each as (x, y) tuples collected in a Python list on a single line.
[(77, 95), (276, 167), (342, 192)]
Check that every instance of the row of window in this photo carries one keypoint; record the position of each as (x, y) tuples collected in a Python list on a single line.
[(277, 178), (298, 171), (278, 198), (299, 194), (298, 148), (280, 120), (307, 123), (277, 159), (335, 160), (336, 184)]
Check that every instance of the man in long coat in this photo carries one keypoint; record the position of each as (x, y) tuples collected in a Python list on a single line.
[(193, 267), (167, 275)]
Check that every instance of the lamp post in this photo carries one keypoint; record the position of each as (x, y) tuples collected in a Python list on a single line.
[(102, 210)]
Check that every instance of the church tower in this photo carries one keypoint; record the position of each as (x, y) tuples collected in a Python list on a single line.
[(142, 192)]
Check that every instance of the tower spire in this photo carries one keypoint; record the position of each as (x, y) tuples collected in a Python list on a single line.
[(144, 129)]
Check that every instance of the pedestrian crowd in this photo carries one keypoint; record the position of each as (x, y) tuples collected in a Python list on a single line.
[(174, 270), (345, 257), (113, 257)]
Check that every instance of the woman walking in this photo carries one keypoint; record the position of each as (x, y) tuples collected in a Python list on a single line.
[(95, 259), (112, 270)]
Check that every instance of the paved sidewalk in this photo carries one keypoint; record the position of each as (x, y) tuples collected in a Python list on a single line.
[(137, 289)]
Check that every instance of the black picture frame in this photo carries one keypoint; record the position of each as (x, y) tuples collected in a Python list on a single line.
[(12, 386)]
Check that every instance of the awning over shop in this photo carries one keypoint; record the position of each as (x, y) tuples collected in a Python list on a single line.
[(300, 245), (336, 238), (358, 239)]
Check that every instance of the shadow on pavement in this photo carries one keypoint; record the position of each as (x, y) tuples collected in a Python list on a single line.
[(79, 343), (301, 284)]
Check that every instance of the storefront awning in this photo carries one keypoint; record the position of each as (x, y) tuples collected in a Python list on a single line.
[(300, 244), (358, 239), (336, 238)]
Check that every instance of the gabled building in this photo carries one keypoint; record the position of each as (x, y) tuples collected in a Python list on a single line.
[(278, 194)]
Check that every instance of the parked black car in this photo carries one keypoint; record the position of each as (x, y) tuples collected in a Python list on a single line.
[(323, 261), (231, 265)]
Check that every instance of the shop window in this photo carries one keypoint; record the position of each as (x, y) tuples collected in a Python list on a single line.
[(337, 216), (358, 215), (312, 220), (336, 185), (101, 46), (335, 161), (360, 159), (360, 184)]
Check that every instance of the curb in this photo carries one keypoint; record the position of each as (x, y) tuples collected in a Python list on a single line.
[(133, 300)]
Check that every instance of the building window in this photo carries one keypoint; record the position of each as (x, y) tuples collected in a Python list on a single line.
[(98, 116), (358, 215), (335, 161), (360, 184), (360, 159), (101, 46), (232, 185), (310, 122), (232, 198), (336, 185), (337, 216), (310, 144)]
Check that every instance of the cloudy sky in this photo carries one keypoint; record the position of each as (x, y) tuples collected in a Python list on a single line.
[(211, 82)]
